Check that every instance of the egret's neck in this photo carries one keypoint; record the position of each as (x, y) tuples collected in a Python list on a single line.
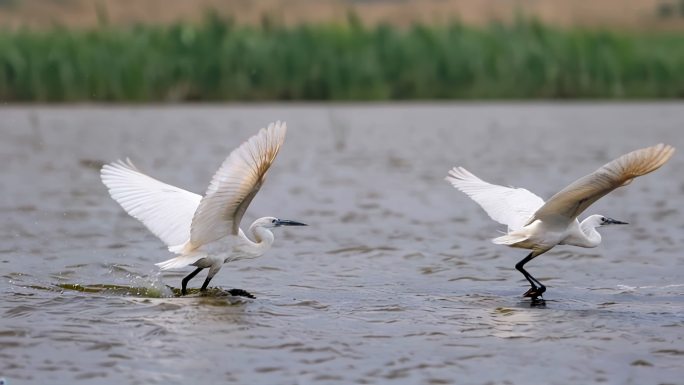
[(263, 239), (588, 227)]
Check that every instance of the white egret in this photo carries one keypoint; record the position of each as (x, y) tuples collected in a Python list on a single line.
[(539, 226), (204, 231)]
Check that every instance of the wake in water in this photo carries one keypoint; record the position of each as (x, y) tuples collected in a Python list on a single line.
[(149, 291), (127, 283)]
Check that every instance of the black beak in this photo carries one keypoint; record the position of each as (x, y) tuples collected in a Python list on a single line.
[(285, 222), (611, 221)]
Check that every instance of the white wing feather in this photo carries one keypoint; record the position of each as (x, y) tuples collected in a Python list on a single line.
[(234, 186), (166, 210), (512, 207)]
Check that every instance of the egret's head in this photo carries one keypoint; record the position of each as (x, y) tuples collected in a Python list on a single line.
[(605, 221), (271, 222)]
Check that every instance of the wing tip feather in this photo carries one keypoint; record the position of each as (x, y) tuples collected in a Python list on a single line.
[(118, 165), (652, 158), (459, 174), (276, 131)]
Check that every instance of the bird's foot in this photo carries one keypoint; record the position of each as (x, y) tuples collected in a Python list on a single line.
[(538, 302), (241, 293), (535, 292)]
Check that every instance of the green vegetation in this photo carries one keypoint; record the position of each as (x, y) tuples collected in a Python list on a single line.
[(218, 60)]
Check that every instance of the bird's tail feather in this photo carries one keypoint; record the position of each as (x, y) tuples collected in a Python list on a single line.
[(184, 248), (179, 261), (510, 239)]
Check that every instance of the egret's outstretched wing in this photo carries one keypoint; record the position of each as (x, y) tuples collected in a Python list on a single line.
[(166, 210), (567, 204), (512, 207), (234, 186)]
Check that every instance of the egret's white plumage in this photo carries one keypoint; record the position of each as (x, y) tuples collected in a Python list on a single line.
[(204, 230), (507, 205), (538, 225), (166, 210)]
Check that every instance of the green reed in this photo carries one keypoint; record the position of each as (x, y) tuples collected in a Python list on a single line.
[(218, 60)]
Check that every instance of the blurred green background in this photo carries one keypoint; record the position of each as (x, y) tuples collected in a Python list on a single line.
[(238, 50)]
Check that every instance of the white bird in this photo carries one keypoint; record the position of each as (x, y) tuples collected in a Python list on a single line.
[(204, 231), (539, 226)]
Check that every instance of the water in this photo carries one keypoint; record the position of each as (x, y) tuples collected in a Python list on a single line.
[(394, 281)]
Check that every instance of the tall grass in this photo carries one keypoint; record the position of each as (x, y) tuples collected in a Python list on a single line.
[(218, 60)]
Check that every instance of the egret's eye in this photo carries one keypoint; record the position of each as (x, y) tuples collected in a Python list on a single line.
[(274, 221), (603, 219)]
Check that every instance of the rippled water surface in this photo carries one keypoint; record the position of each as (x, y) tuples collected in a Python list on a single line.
[(394, 281)]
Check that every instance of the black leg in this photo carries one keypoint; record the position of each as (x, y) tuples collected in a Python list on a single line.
[(206, 282), (188, 278), (535, 291)]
